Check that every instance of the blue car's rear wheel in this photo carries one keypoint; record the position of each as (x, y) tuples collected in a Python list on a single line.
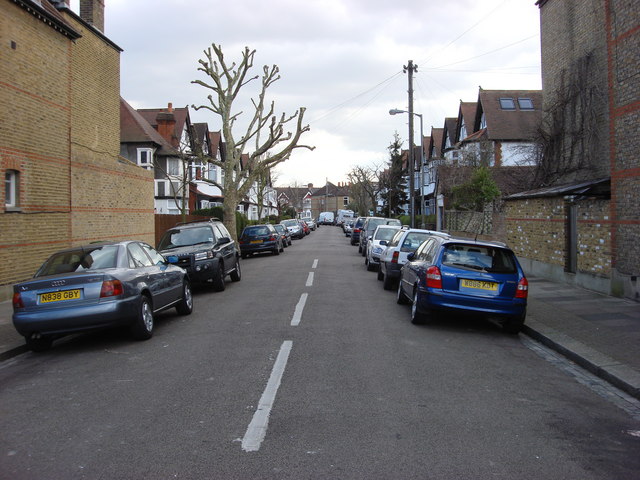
[(142, 328)]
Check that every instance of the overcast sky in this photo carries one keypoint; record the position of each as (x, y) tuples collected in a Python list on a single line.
[(341, 59)]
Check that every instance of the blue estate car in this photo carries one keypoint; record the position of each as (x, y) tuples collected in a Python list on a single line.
[(96, 286), (464, 276)]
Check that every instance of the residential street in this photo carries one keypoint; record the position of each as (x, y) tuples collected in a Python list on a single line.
[(310, 342)]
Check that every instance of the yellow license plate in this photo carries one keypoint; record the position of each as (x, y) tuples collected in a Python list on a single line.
[(59, 296), (256, 241), (478, 284)]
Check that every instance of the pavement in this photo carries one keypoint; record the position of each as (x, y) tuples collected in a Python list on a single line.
[(598, 332)]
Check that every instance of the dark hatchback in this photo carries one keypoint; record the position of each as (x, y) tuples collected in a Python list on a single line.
[(260, 238), (464, 276), (205, 250), (355, 232), (98, 286)]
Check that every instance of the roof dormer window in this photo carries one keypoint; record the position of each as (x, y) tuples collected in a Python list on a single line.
[(525, 103), (507, 103)]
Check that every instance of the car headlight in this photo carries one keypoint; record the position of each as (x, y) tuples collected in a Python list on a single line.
[(203, 255), (377, 249)]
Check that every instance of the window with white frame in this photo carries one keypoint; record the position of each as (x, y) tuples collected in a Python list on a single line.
[(145, 158), (483, 121), (11, 188), (345, 201), (173, 166), (463, 131)]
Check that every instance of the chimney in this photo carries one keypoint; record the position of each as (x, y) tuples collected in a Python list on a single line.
[(310, 186), (92, 12), (166, 122), (170, 107)]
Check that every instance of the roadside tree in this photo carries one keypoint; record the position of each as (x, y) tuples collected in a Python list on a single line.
[(266, 133)]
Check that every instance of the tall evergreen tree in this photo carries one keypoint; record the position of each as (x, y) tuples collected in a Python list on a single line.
[(393, 180)]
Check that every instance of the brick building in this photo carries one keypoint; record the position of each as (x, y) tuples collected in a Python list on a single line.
[(65, 183), (583, 225)]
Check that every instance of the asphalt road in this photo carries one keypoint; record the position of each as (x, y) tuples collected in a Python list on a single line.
[(306, 369)]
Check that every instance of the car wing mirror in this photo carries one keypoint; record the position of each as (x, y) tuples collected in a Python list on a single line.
[(223, 241), (383, 243)]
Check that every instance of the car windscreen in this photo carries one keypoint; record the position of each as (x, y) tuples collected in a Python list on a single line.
[(80, 260), (182, 237), (385, 233), (481, 258), (290, 223)]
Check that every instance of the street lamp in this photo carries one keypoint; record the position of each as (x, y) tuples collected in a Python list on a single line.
[(395, 111)]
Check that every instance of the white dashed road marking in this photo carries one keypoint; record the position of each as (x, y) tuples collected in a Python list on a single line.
[(257, 429)]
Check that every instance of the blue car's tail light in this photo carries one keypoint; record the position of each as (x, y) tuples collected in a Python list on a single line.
[(111, 288), (523, 288)]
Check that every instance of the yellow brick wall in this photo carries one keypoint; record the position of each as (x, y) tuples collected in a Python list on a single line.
[(34, 140), (60, 129)]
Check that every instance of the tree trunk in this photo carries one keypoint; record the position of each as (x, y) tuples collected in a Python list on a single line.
[(229, 210)]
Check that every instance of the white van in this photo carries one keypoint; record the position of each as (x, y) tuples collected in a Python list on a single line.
[(326, 218)]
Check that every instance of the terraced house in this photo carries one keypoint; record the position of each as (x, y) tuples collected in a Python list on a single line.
[(64, 183)]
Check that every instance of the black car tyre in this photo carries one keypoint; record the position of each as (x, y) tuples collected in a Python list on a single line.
[(40, 344), (370, 266), (276, 251), (236, 275), (142, 327), (513, 325), (380, 274), (282, 247), (244, 255), (401, 298), (417, 317), (185, 305), (387, 283), (218, 279)]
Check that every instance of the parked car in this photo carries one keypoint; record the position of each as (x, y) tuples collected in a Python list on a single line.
[(404, 242), (376, 245), (464, 276), (205, 250), (311, 223), (369, 226), (355, 233), (259, 239), (97, 286), (295, 229), (305, 227), (284, 233), (347, 227)]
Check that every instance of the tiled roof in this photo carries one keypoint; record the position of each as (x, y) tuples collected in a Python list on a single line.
[(135, 129), (516, 124), (437, 134), (181, 116)]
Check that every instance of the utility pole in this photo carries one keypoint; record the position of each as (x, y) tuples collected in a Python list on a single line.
[(410, 68)]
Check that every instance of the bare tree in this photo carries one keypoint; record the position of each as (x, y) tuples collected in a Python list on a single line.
[(363, 188), (225, 81)]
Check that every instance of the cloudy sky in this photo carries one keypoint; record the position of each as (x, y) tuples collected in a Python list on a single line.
[(341, 59)]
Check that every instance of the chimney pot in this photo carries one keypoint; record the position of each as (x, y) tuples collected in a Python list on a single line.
[(170, 107)]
